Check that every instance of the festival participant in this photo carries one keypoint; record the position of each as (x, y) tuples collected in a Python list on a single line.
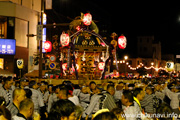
[(166, 112), (53, 97), (36, 96), (17, 84), (138, 94), (18, 96), (129, 108), (23, 83), (119, 113), (118, 92), (63, 93), (104, 115), (2, 101), (109, 101), (131, 86), (71, 97), (84, 97), (50, 88), (158, 92), (26, 110), (28, 93), (62, 110), (174, 96), (6, 91), (96, 103), (147, 102), (1, 82), (76, 90), (4, 113), (43, 91), (101, 100), (92, 86)]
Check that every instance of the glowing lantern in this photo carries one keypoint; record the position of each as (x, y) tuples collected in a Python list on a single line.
[(170, 66), (64, 66), (87, 19), (122, 42), (101, 65), (78, 28), (20, 63), (64, 39), (47, 46)]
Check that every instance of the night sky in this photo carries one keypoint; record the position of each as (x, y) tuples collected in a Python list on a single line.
[(129, 18)]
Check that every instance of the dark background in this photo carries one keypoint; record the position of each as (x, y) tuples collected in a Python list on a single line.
[(161, 19)]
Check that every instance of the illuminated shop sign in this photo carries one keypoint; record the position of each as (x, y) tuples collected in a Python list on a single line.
[(7, 46), (44, 32), (170, 66), (2, 63)]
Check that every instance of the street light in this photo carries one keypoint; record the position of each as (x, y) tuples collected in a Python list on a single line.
[(152, 63), (125, 58)]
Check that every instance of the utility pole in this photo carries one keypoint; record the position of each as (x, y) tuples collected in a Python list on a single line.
[(40, 44)]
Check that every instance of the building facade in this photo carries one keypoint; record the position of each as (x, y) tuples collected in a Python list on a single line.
[(148, 56), (17, 19), (148, 47)]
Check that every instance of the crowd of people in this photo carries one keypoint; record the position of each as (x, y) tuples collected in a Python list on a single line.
[(148, 99)]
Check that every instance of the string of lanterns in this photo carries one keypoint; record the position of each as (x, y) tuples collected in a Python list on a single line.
[(147, 68), (141, 65)]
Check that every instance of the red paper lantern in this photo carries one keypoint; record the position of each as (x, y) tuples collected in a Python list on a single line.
[(47, 46), (122, 42), (101, 65), (64, 39), (87, 19), (103, 44)]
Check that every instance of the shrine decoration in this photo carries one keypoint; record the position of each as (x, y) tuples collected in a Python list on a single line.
[(87, 19), (47, 46), (64, 39), (78, 28), (77, 67), (83, 58), (101, 65), (64, 66), (122, 42)]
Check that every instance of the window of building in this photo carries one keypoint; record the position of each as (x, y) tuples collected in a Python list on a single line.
[(140, 49), (147, 40), (145, 49), (138, 62), (3, 27), (130, 62), (140, 40)]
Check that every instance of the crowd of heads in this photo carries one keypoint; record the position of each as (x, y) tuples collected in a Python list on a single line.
[(106, 101)]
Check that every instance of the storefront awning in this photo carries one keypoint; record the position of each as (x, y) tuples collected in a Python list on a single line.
[(6, 73), (35, 73)]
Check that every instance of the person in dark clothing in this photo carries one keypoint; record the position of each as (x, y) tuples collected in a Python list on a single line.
[(105, 116), (4, 113), (62, 109)]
